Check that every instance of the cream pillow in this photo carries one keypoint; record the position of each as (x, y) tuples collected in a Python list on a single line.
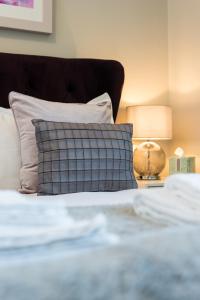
[(26, 108), (9, 151)]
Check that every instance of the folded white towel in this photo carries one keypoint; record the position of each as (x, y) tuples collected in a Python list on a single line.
[(163, 206), (185, 186), (25, 222), (14, 237)]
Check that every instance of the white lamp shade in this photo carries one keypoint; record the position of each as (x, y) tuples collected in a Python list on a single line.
[(150, 122)]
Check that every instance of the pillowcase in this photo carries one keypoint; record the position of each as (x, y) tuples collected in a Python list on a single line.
[(26, 108), (84, 157), (9, 151)]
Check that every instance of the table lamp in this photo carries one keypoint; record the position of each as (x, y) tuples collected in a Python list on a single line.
[(150, 123)]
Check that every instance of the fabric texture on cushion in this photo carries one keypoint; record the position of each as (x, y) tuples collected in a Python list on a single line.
[(25, 108), (9, 151), (77, 157)]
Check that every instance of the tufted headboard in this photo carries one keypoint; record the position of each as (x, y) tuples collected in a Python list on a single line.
[(60, 79)]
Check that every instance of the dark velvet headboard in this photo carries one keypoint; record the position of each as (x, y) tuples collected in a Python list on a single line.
[(60, 79)]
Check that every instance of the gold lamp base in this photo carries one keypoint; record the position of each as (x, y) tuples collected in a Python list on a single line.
[(148, 177), (149, 160)]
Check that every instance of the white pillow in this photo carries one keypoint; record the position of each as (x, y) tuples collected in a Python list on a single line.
[(10, 160), (26, 108)]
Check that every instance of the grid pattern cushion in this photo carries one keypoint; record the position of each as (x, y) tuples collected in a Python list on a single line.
[(76, 157)]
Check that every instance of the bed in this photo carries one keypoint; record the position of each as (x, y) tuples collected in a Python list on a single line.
[(147, 260)]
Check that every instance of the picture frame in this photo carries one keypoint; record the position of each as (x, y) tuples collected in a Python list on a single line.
[(31, 15)]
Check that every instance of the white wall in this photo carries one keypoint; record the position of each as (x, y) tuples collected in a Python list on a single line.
[(131, 31), (184, 74)]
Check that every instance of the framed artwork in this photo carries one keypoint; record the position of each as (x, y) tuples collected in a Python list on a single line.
[(32, 15)]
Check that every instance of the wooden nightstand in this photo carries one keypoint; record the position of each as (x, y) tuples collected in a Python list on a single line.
[(143, 184)]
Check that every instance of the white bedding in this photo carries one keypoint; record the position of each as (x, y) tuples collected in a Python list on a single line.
[(177, 203), (90, 199), (143, 254), (32, 221), (169, 205)]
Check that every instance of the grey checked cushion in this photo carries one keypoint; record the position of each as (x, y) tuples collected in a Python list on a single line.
[(76, 157)]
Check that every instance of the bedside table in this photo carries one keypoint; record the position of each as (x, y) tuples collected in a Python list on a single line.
[(144, 184)]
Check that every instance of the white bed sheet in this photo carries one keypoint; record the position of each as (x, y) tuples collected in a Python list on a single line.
[(90, 198)]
